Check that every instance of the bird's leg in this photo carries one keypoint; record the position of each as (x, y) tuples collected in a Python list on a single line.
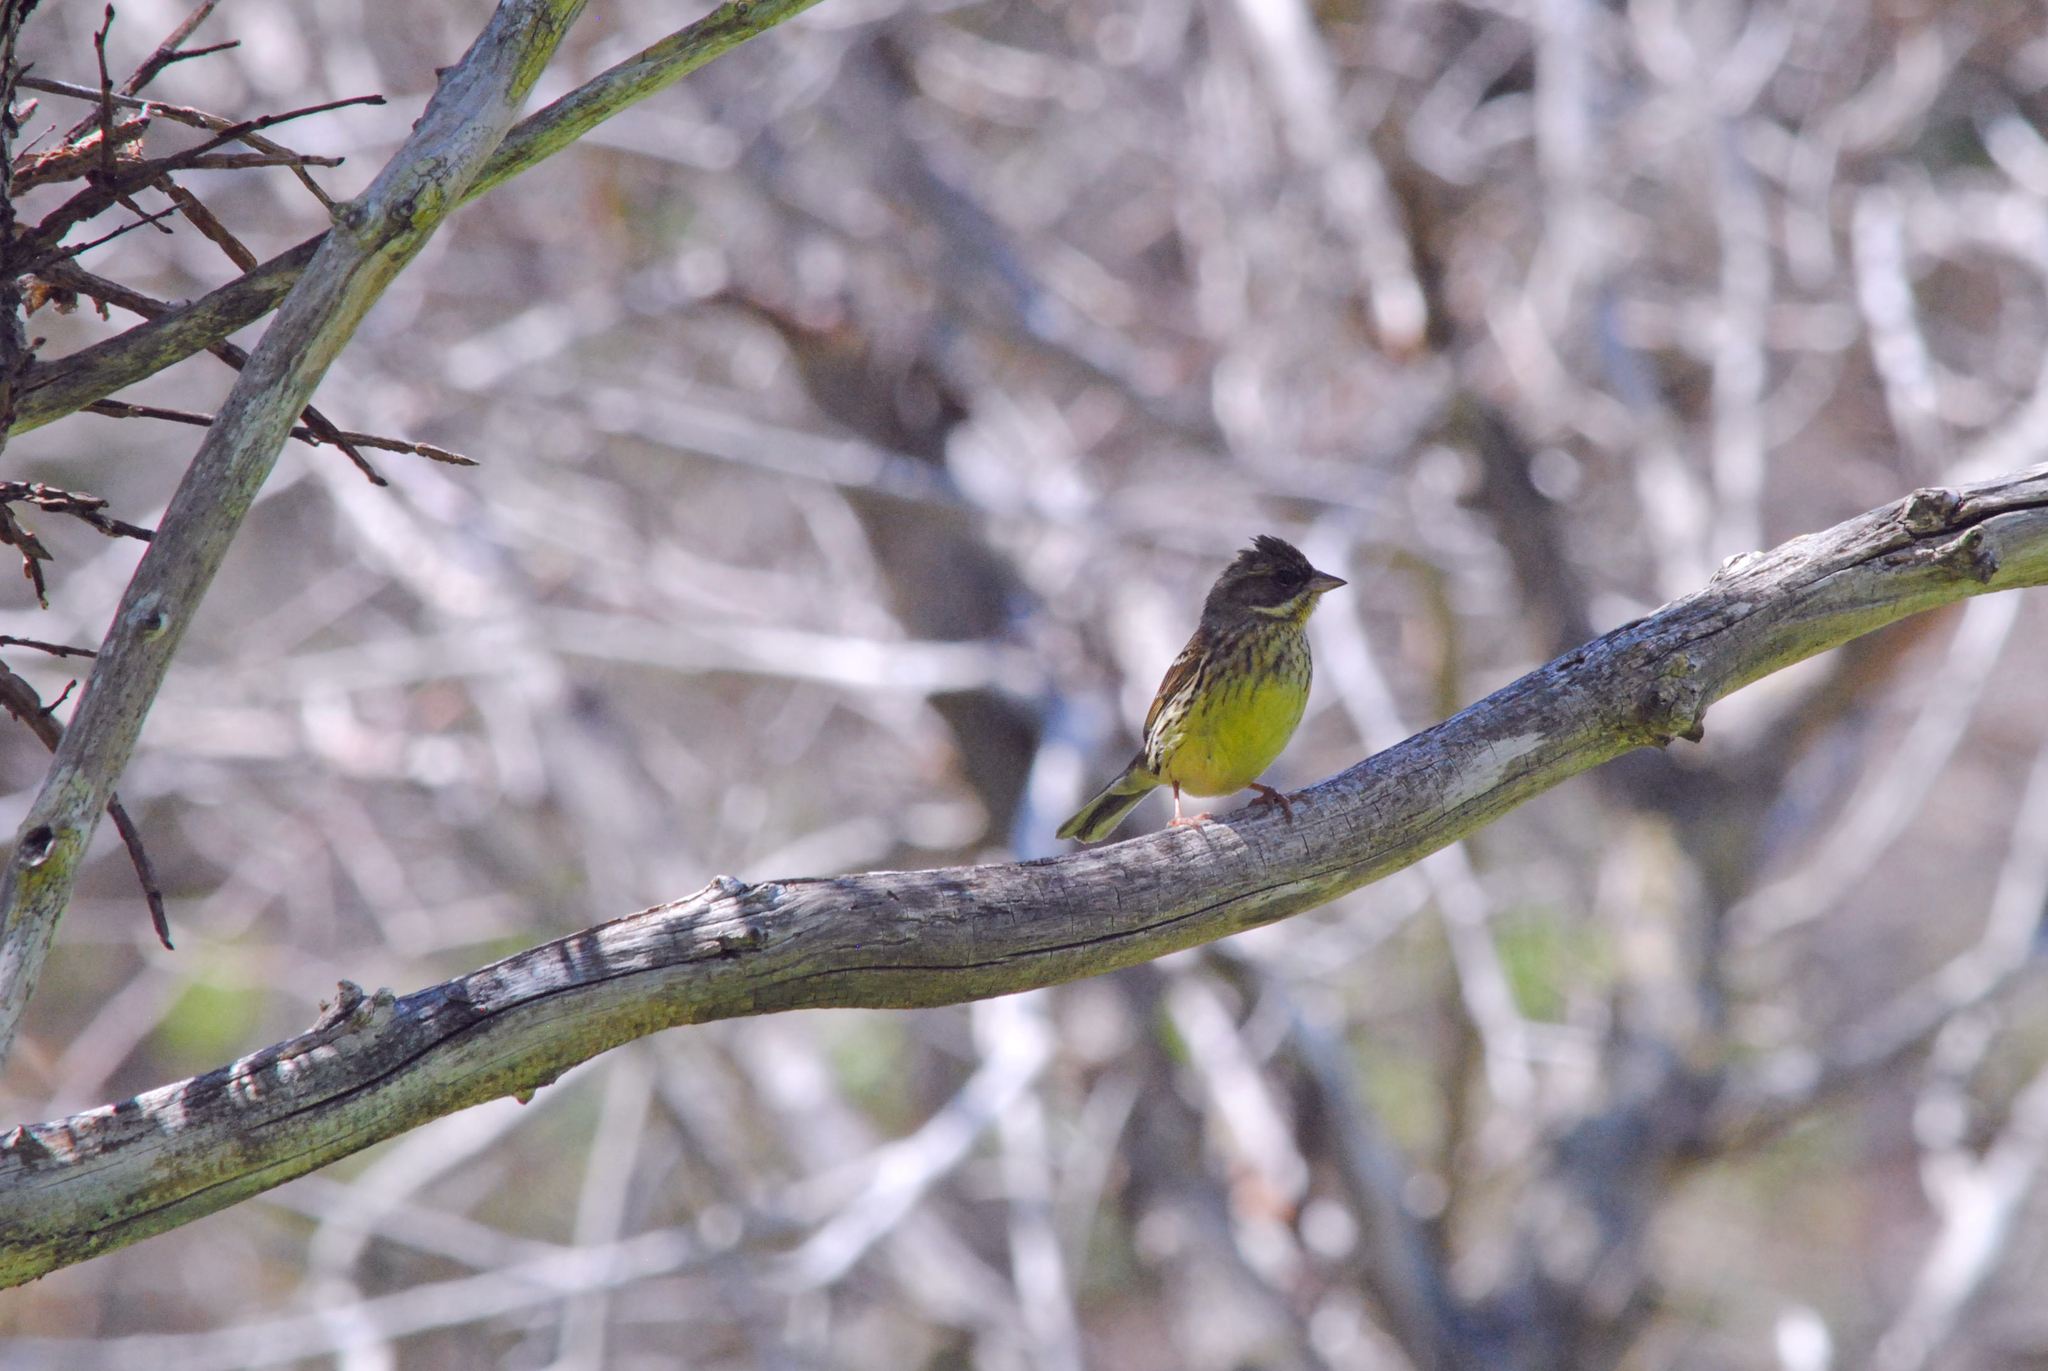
[(1268, 795), (1178, 821)]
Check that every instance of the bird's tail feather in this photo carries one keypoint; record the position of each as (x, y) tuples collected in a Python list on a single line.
[(1098, 818)]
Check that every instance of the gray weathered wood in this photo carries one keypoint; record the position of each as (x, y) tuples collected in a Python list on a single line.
[(379, 1065)]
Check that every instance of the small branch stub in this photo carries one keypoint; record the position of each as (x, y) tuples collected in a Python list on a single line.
[(1970, 555), (1929, 510)]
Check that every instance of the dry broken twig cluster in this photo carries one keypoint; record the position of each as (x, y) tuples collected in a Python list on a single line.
[(865, 419)]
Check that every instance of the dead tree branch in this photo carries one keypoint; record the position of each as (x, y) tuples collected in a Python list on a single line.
[(381, 1064)]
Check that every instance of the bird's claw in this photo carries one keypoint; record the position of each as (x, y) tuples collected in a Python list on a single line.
[(1268, 795)]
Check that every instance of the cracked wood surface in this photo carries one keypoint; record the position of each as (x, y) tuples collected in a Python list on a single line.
[(377, 1065)]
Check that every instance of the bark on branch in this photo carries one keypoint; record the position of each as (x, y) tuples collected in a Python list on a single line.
[(380, 1064)]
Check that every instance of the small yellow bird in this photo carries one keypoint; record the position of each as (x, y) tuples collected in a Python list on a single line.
[(1230, 701)]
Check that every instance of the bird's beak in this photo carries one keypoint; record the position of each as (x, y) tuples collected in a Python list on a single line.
[(1323, 582)]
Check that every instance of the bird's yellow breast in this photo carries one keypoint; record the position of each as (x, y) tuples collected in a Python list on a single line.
[(1231, 732)]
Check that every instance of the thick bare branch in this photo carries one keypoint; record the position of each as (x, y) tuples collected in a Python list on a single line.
[(381, 1064)]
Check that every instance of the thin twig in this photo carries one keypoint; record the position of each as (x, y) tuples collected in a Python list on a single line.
[(145, 871), (195, 118), (19, 698), (318, 427), (78, 505), (71, 277), (48, 260), (203, 219), (94, 199), (236, 161), (105, 95), (54, 649), (168, 51), (33, 553), (240, 131), (154, 221), (121, 409), (207, 51), (106, 114)]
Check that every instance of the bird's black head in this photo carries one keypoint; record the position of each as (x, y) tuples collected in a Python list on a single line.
[(1270, 578)]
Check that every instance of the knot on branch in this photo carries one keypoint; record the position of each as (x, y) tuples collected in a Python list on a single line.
[(36, 845), (1968, 555), (1734, 565), (24, 1150), (351, 216), (1674, 704), (1929, 510), (723, 934), (353, 1011)]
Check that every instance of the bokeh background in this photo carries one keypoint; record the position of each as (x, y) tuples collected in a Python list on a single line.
[(860, 424)]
